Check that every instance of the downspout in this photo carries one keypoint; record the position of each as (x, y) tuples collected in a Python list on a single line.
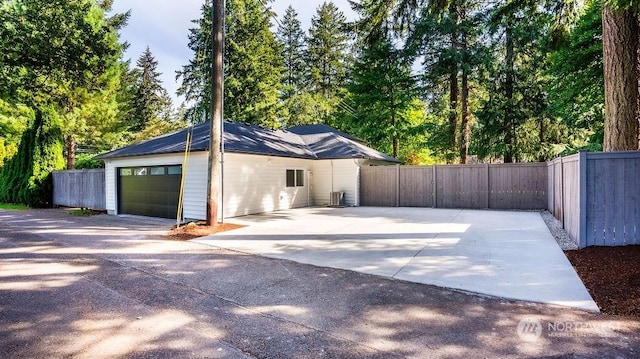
[(357, 201), (308, 182), (222, 172), (331, 176)]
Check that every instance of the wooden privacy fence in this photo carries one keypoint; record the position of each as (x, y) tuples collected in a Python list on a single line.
[(597, 197), (79, 188), (503, 186)]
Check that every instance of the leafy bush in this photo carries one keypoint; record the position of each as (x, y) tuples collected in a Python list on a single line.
[(86, 161)]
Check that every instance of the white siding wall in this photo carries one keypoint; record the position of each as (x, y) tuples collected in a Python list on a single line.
[(256, 184), (335, 176), (195, 182), (321, 182), (253, 183)]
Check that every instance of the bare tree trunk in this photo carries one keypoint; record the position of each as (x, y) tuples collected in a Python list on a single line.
[(453, 110), (217, 91), (70, 151), (620, 46), (509, 125), (464, 123)]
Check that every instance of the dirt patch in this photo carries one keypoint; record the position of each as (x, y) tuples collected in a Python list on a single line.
[(198, 229), (612, 276)]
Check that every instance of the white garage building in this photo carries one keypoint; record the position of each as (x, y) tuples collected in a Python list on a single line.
[(264, 170)]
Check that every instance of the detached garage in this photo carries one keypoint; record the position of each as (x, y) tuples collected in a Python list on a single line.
[(264, 170)]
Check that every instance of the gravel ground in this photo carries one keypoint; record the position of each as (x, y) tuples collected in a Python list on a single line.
[(558, 232)]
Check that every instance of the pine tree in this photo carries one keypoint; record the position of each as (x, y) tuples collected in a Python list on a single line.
[(253, 66), (151, 100), (327, 52), (382, 94), (291, 38), (516, 85), (64, 53), (576, 94)]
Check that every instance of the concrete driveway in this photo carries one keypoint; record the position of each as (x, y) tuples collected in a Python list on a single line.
[(506, 254), (112, 287)]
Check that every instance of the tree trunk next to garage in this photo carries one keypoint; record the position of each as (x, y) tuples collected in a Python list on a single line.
[(620, 46)]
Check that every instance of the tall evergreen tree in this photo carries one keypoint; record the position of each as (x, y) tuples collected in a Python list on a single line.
[(576, 88), (61, 53), (327, 52), (253, 66), (516, 84), (151, 100), (26, 177), (291, 38), (382, 94)]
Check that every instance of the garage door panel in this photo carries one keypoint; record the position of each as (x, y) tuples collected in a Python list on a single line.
[(149, 195)]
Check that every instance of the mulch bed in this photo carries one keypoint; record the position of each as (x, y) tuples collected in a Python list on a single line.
[(612, 276), (198, 229)]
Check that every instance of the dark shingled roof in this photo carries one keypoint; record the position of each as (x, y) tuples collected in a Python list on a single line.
[(329, 143), (307, 142)]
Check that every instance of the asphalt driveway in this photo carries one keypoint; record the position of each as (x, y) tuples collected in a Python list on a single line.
[(112, 287), (506, 254)]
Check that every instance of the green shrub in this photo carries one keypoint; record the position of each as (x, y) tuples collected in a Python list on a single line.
[(86, 161)]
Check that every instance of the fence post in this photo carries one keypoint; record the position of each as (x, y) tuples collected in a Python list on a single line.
[(582, 234), (562, 191), (551, 187), (486, 167), (435, 187), (397, 185)]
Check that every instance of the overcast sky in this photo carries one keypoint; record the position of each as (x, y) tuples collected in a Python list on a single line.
[(164, 25)]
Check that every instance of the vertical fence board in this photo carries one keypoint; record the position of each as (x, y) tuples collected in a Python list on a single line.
[(595, 216), (608, 203), (619, 200)]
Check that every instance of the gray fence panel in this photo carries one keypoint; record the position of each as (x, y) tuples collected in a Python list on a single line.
[(461, 186), (518, 186), (570, 188), (378, 186), (416, 186), (79, 188), (613, 192)]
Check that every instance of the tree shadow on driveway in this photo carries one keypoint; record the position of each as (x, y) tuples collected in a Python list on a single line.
[(98, 287)]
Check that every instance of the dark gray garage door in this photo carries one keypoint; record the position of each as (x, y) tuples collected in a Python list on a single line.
[(149, 191)]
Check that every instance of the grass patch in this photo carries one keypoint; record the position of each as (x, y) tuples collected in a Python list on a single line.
[(12, 206), (83, 212)]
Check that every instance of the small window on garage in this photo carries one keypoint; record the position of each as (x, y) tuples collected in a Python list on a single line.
[(126, 172), (141, 171), (295, 178), (174, 170), (291, 178), (157, 171)]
